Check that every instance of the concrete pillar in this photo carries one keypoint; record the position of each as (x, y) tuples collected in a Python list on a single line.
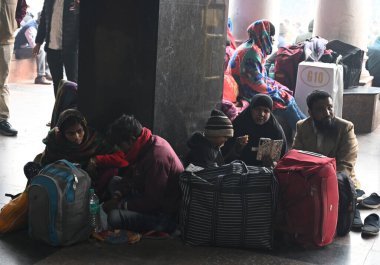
[(162, 62), (347, 21), (244, 12)]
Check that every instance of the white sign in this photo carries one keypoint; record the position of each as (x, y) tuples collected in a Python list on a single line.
[(322, 76)]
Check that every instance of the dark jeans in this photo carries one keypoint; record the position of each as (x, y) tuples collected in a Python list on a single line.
[(59, 59), (139, 222), (135, 221)]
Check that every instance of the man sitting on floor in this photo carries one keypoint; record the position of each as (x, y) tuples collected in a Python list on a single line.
[(148, 195), (328, 135), (331, 136)]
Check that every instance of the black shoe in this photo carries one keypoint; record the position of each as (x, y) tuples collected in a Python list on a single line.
[(360, 195), (371, 225), (372, 201), (357, 223), (6, 129)]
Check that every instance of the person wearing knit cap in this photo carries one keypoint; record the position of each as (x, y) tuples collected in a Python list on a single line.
[(254, 123), (205, 147)]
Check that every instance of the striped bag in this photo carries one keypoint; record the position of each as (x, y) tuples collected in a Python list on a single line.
[(229, 206)]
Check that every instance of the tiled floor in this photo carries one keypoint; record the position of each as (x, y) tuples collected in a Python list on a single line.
[(31, 108)]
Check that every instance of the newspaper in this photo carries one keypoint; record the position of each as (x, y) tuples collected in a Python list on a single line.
[(270, 148)]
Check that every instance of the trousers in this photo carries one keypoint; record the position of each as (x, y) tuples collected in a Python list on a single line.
[(6, 51)]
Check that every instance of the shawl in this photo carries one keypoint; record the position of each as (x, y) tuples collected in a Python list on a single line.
[(247, 67), (140, 143), (58, 147)]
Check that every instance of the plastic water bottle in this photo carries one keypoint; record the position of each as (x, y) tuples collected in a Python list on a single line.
[(94, 212), (271, 71)]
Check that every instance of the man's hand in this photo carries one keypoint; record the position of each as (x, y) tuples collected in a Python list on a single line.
[(91, 168), (111, 204), (36, 49)]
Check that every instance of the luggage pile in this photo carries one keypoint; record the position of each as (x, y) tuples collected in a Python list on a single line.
[(242, 206)]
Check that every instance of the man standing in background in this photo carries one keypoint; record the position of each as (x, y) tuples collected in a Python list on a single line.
[(60, 18), (11, 14)]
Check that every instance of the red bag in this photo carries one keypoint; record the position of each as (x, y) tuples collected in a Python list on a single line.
[(286, 64), (308, 198)]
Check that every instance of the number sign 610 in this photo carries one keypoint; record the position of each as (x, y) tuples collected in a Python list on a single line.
[(315, 77)]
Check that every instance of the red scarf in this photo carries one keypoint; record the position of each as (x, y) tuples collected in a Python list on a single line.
[(133, 153)]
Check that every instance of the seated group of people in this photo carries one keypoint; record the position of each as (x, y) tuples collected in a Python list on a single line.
[(136, 173)]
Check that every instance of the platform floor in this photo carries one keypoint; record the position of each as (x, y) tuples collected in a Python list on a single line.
[(31, 107)]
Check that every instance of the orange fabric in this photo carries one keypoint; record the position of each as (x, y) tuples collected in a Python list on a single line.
[(230, 88), (14, 215)]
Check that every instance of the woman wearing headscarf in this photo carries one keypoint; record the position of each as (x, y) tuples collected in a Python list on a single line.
[(255, 122), (72, 139), (247, 68)]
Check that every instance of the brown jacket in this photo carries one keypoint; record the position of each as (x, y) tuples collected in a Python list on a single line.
[(343, 147)]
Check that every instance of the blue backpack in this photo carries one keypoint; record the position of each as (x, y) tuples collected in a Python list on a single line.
[(59, 204)]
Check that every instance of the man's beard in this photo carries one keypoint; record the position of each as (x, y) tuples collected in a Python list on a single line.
[(326, 126)]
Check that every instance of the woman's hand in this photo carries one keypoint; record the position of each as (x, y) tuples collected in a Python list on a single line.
[(240, 143), (268, 162)]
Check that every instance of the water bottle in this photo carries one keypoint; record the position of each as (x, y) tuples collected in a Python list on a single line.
[(271, 71), (94, 212)]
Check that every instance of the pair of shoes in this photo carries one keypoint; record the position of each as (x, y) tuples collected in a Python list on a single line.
[(371, 225), (372, 201), (6, 129), (41, 80), (357, 223), (48, 77)]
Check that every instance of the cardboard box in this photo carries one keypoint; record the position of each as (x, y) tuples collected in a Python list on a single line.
[(322, 76)]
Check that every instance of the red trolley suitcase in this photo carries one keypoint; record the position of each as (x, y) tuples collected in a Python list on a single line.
[(309, 198)]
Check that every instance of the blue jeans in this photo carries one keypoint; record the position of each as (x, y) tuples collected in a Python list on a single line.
[(292, 114), (135, 221), (140, 222)]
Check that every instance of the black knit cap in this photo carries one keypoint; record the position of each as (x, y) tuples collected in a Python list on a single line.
[(261, 100), (219, 125)]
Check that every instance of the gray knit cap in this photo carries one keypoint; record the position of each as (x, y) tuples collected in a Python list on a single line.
[(219, 125)]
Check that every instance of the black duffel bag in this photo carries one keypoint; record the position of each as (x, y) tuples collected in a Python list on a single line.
[(352, 60), (229, 206)]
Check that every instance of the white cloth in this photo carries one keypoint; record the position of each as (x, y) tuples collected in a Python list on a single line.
[(30, 35), (56, 26)]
